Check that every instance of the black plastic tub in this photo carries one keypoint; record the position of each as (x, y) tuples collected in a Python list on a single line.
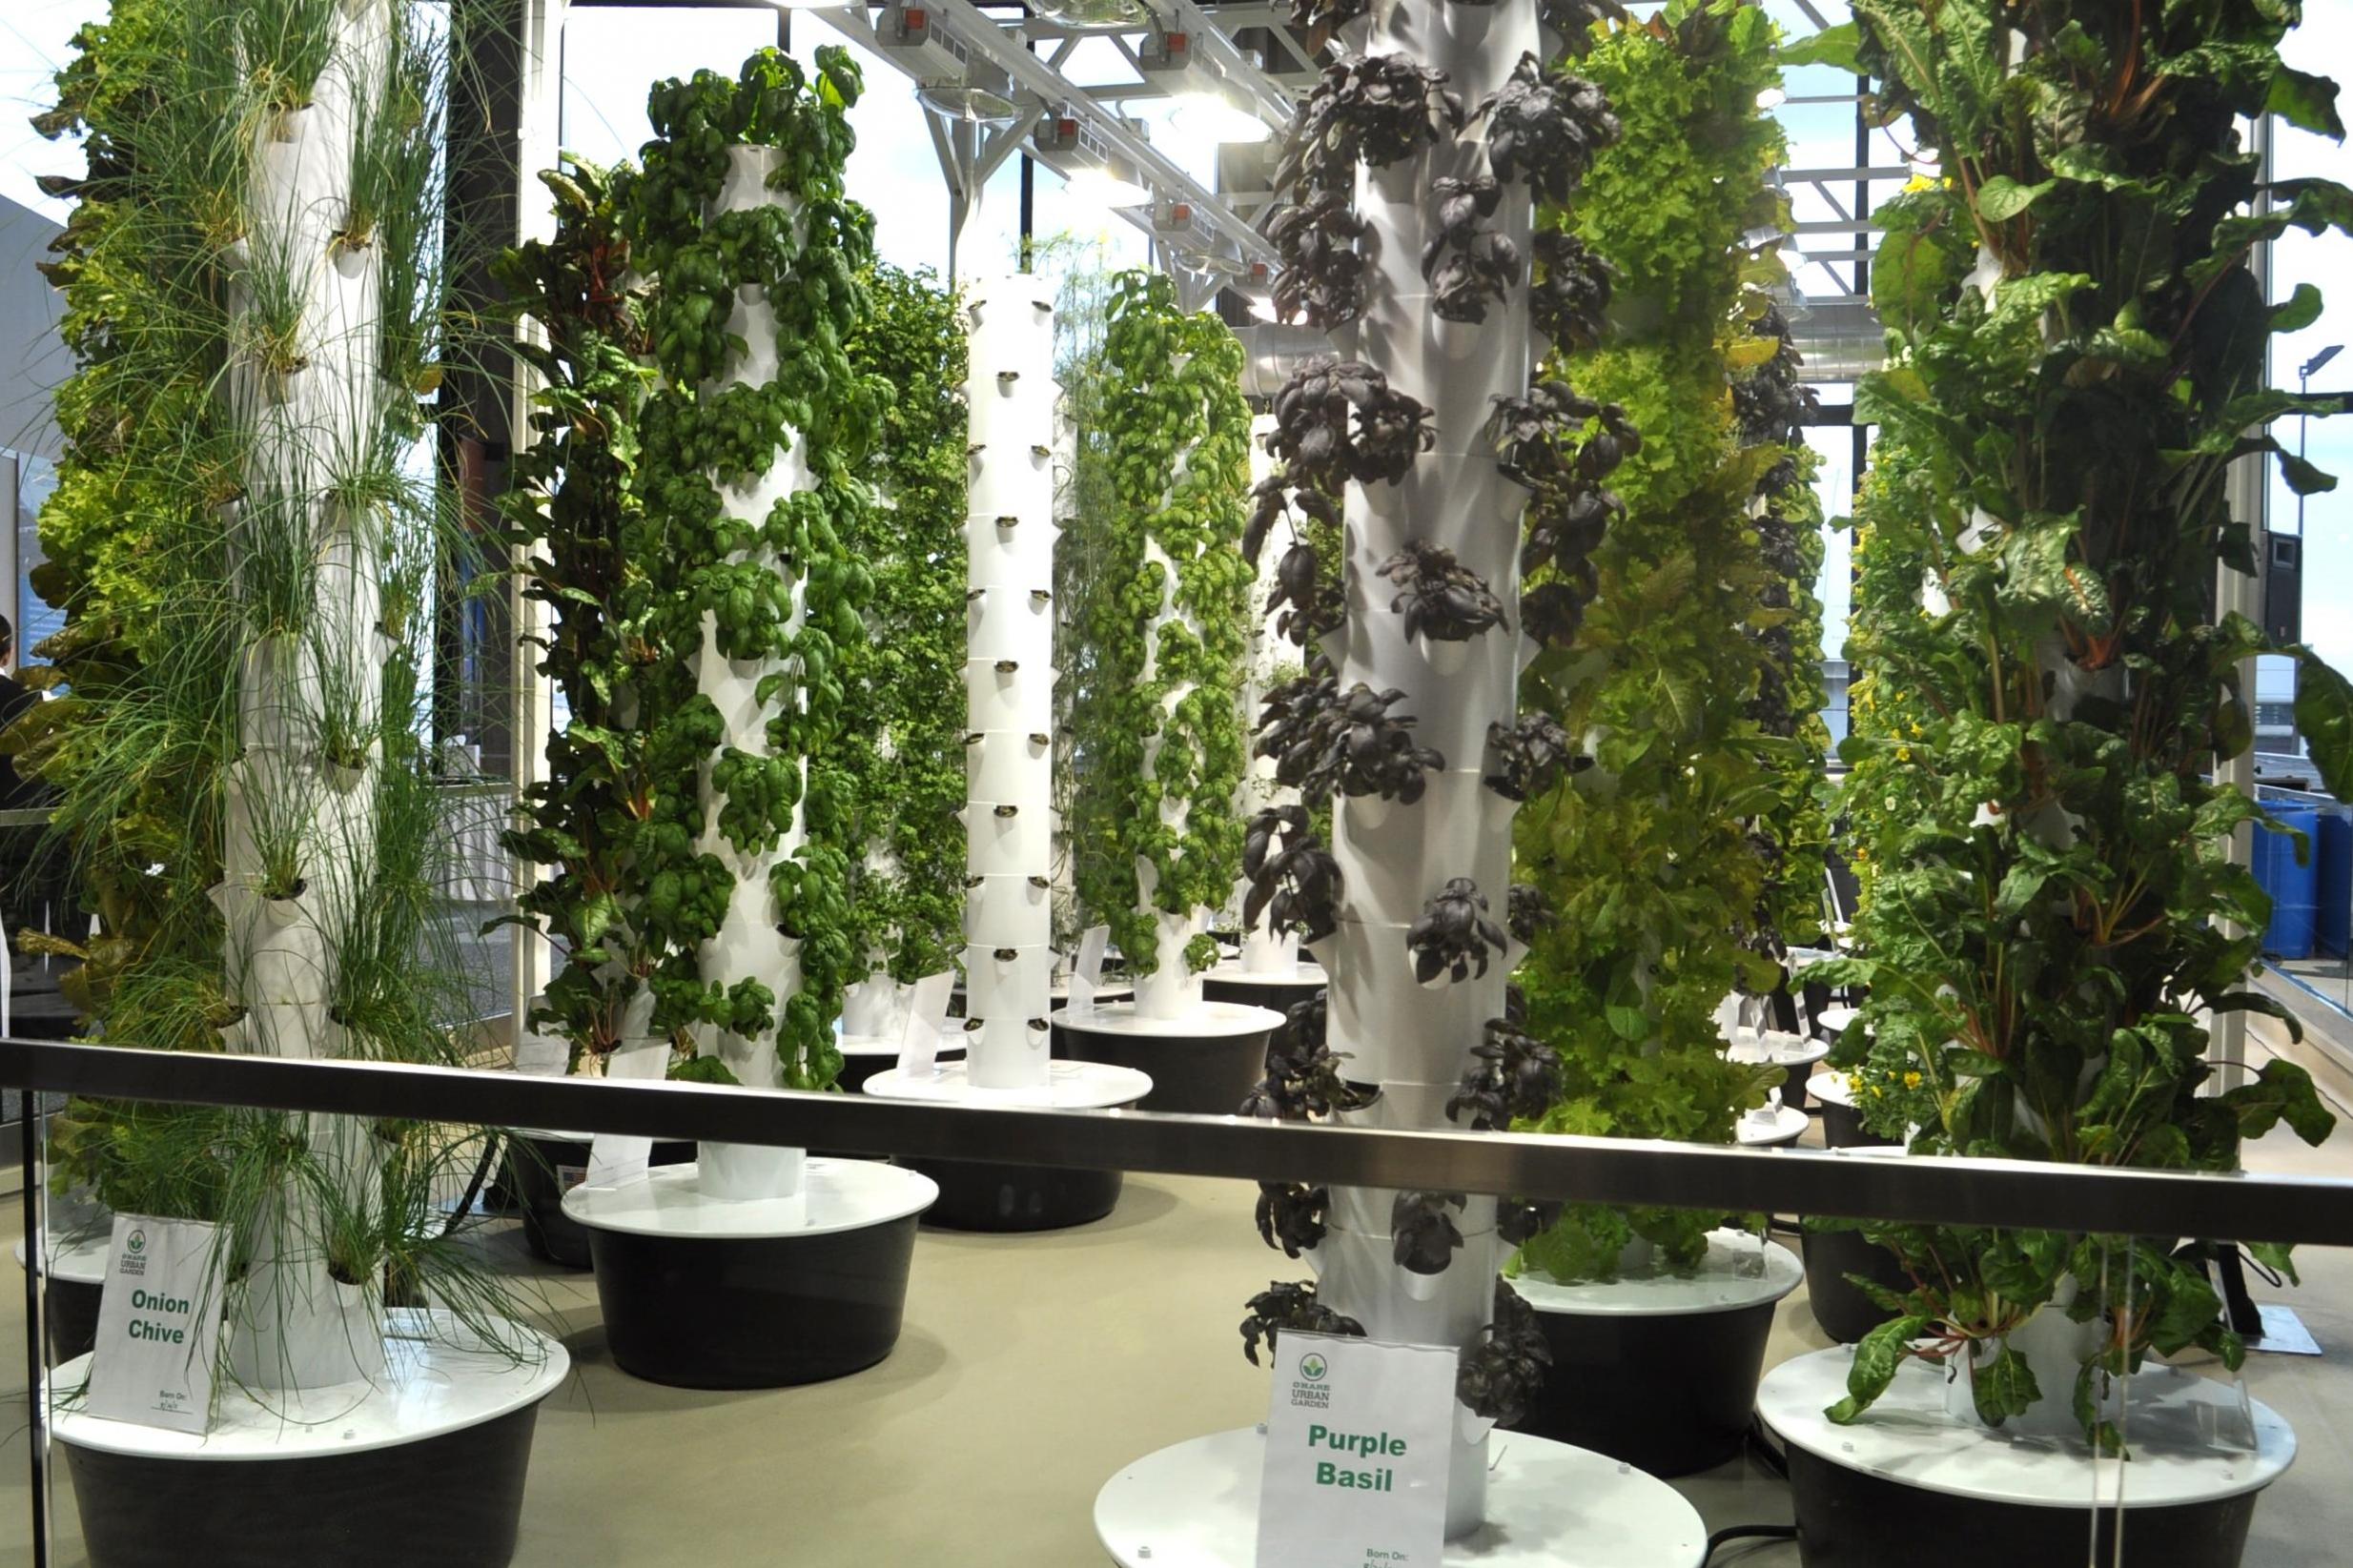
[(1847, 1518), (1839, 1305), (536, 1176), (1842, 1128), (454, 1500), (764, 1312), (1669, 1395), (1208, 1073), (975, 1195), (70, 1309)]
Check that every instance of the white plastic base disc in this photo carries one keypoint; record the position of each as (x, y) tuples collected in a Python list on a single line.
[(434, 1383), (2190, 1436), (1070, 1086), (1786, 1127), (1204, 1021), (835, 1195), (78, 1258), (1305, 972), (1738, 1272), (1549, 1505)]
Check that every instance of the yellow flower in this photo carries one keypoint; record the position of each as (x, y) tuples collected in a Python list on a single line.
[(1912, 1080)]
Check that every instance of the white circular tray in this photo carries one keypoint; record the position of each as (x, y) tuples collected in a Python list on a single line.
[(1782, 1050), (1731, 1276), (434, 1384), (2186, 1432), (1204, 1021), (1070, 1086), (77, 1259), (888, 1044), (835, 1195), (1549, 1505), (1306, 972), (1835, 1018), (1831, 1089), (1789, 1125)]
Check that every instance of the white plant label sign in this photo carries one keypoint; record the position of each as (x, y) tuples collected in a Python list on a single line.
[(1358, 1442), (927, 1021), (1087, 969), (158, 1325)]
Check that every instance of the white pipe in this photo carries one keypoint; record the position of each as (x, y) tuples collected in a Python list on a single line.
[(1009, 679)]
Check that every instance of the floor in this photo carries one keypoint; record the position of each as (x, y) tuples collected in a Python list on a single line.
[(1032, 1366)]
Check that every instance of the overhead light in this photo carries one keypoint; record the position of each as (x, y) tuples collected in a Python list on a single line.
[(1093, 13), (984, 97), (1213, 117), (1111, 183), (1771, 97)]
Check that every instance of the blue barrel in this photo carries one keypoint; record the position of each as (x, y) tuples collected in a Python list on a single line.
[(2335, 853), (2295, 889)]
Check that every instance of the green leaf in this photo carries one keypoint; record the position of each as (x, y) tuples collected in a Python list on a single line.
[(2002, 1387), (2002, 198), (1876, 1357), (2306, 102), (1835, 46), (1628, 1022), (2298, 311), (2324, 718), (702, 1070), (2303, 477)]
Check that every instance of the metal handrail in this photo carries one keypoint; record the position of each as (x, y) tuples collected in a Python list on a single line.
[(1606, 1170)]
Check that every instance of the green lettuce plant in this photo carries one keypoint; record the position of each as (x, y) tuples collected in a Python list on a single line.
[(1647, 854), (2077, 357)]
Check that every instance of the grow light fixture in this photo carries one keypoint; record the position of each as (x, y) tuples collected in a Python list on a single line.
[(1105, 15), (984, 97), (1210, 116), (1111, 184)]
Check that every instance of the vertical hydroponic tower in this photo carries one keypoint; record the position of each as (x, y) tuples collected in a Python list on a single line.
[(1009, 676), (1409, 171), (1009, 679), (904, 763), (749, 477), (241, 541)]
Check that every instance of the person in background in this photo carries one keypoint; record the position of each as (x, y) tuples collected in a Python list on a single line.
[(15, 793), (28, 877)]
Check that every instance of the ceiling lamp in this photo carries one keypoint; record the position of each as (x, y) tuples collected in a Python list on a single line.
[(1213, 117), (984, 97)]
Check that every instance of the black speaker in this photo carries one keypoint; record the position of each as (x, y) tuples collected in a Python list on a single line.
[(2283, 586)]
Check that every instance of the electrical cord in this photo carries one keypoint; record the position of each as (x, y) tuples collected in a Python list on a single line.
[(1747, 1532), (1760, 1449)]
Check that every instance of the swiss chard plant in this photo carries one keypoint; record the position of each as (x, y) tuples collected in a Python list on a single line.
[(1159, 728), (1641, 592), (2077, 359)]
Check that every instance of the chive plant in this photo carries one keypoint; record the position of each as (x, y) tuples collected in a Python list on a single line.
[(238, 535)]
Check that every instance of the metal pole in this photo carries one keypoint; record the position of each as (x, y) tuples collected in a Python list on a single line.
[(36, 1329)]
